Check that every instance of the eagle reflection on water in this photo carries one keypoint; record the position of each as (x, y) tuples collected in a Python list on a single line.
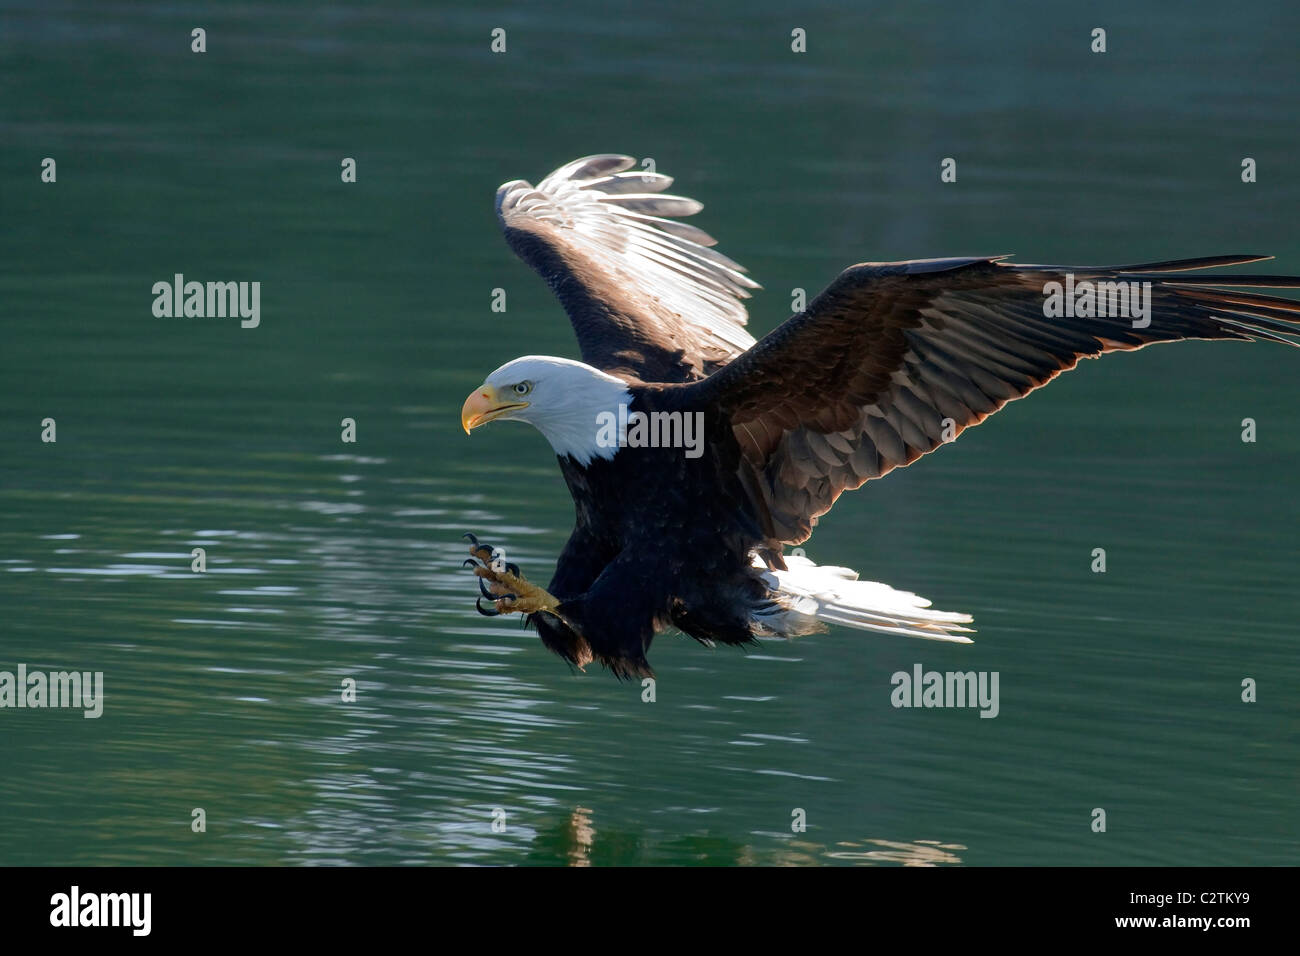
[(576, 840)]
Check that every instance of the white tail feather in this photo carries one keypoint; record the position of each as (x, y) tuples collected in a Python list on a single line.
[(809, 594)]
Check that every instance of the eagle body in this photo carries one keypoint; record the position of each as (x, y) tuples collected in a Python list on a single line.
[(660, 539), (890, 362)]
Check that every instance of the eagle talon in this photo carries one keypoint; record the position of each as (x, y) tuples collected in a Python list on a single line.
[(503, 584), (470, 538)]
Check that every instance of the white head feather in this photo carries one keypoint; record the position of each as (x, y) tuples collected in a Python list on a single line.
[(565, 401)]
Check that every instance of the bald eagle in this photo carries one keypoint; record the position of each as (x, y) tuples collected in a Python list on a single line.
[(694, 454)]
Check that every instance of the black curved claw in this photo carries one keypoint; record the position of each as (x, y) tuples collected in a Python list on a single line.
[(492, 613), (513, 568), (469, 563), (470, 538), (482, 587)]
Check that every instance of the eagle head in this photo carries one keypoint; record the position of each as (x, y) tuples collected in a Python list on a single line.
[(561, 398)]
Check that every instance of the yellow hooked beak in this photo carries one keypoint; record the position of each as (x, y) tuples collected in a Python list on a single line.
[(483, 405)]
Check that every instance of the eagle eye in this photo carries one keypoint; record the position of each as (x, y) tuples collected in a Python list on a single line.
[(523, 388)]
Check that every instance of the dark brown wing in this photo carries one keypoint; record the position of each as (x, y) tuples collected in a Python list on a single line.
[(648, 297), (895, 358)]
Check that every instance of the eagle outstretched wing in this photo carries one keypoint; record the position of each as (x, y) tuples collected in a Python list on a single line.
[(648, 296), (894, 359)]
